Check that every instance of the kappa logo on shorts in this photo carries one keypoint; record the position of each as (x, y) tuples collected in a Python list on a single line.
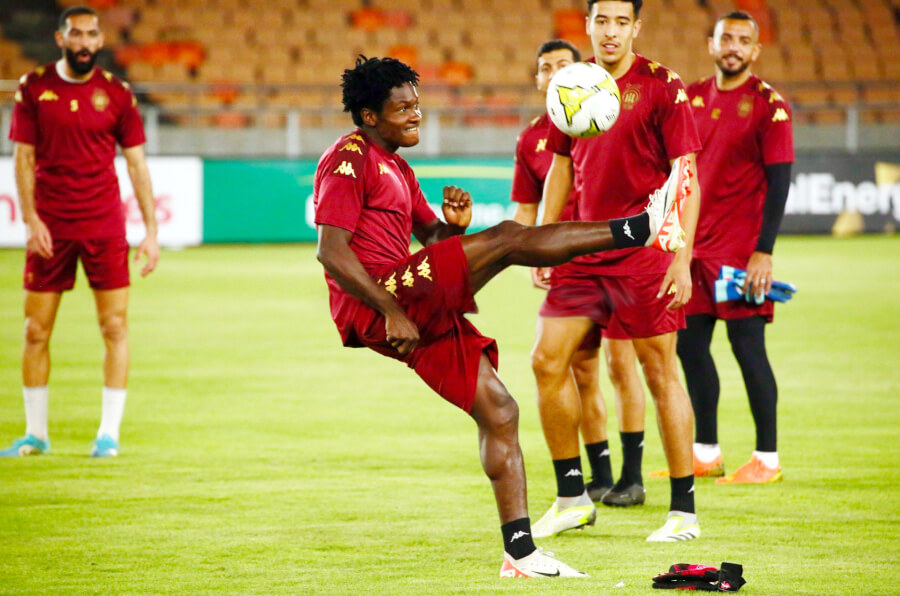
[(424, 269), (346, 168)]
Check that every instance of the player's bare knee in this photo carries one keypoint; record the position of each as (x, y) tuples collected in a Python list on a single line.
[(503, 418), (36, 333), (547, 365), (114, 328)]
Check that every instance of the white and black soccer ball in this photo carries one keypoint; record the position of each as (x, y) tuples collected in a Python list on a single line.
[(583, 100)]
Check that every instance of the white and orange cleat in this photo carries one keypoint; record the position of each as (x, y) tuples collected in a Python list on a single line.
[(713, 469), (538, 564), (753, 472), (667, 206)]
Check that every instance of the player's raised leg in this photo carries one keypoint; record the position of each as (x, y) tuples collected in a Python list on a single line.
[(112, 315), (40, 317)]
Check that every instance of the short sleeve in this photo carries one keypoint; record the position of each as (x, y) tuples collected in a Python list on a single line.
[(776, 132), (129, 127), (526, 186), (679, 131), (24, 117), (558, 142), (340, 193), (422, 213)]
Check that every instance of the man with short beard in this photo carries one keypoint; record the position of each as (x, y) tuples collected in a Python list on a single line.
[(745, 172), (68, 118)]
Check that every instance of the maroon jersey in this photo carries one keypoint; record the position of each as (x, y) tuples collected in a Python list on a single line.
[(742, 131), (617, 171), (532, 164), (74, 128), (366, 190)]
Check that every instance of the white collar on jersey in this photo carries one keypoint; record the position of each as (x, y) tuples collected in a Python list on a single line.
[(61, 71)]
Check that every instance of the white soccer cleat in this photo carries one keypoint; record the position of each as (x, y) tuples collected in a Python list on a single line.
[(667, 206), (571, 518), (538, 564), (679, 526)]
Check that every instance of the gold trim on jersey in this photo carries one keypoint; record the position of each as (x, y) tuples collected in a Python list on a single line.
[(424, 269)]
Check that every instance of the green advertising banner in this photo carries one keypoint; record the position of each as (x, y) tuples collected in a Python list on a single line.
[(271, 200)]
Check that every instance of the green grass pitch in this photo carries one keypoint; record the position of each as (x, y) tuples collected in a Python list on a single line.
[(260, 457)]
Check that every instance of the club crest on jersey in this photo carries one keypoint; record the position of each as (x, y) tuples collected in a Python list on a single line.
[(48, 95), (631, 96), (99, 100), (745, 106), (346, 168)]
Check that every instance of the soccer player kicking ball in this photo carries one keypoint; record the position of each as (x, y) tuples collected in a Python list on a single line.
[(745, 174), (68, 118), (411, 307)]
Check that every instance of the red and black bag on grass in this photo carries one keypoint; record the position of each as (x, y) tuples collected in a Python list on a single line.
[(686, 576)]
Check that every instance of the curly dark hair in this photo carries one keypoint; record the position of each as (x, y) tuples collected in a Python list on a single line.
[(369, 84)]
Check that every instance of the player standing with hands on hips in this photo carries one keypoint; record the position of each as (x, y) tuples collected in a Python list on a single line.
[(68, 118)]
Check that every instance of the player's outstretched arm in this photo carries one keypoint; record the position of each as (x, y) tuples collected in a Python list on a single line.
[(341, 263), (143, 190), (677, 280), (39, 239)]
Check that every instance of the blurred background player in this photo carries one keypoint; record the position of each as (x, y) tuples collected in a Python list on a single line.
[(745, 174), (636, 295), (411, 307), (67, 119), (530, 170)]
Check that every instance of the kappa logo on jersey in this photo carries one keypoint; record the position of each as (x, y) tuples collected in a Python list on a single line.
[(517, 535), (346, 168), (48, 95), (356, 137), (382, 169), (653, 66), (697, 102), (573, 472), (424, 269), (671, 76), (781, 115), (351, 146), (541, 145), (627, 229), (18, 96), (107, 75), (681, 97)]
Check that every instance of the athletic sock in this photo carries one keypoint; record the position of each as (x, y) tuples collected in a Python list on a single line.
[(707, 453), (630, 231), (682, 494), (517, 540), (36, 402), (632, 454), (768, 458), (113, 409), (580, 500), (598, 457), (569, 479)]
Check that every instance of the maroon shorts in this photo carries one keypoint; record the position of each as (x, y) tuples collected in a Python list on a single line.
[(432, 286), (704, 273), (105, 262), (625, 306)]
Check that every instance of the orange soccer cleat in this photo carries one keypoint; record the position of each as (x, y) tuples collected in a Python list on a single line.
[(753, 472), (712, 469)]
